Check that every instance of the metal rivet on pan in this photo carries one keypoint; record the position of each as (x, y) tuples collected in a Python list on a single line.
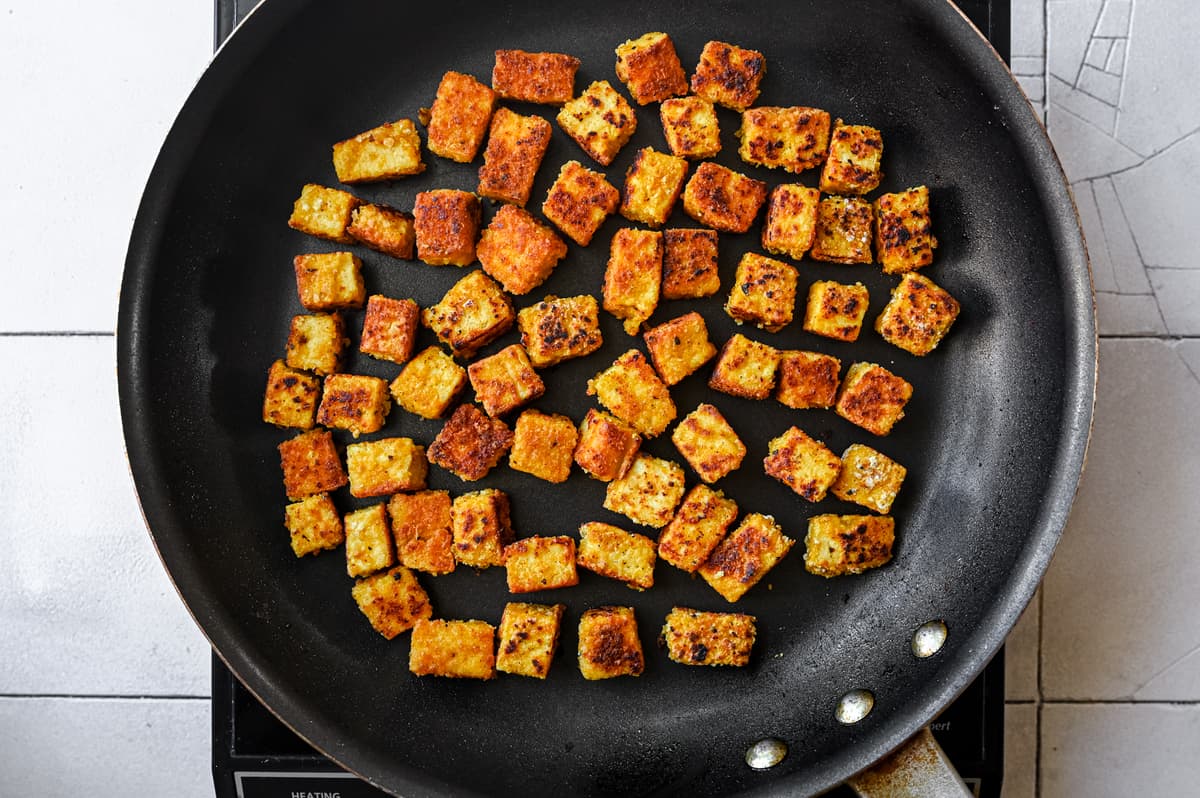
[(766, 753), (929, 639), (854, 706)]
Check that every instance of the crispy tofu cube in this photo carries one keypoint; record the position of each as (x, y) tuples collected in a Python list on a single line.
[(652, 184), (519, 251), (310, 464), (529, 638), (609, 645), (802, 463), (690, 264), (632, 392), (516, 146), (600, 121), (385, 466), (329, 281), (633, 275), (368, 543), (453, 649), (807, 379), (543, 445), (470, 444), (792, 139), (429, 383), (315, 342), (693, 637), (324, 212), (505, 381), (393, 601), (421, 529), (843, 230), (836, 310), (854, 165), (918, 316), (579, 202), (763, 293), (314, 525), (690, 127), (745, 368), (679, 347), (472, 314), (697, 528), (791, 223), (291, 397), (607, 446), (872, 397), (904, 239), (384, 229), (482, 527), (708, 443), (648, 493), (560, 328), (389, 328), (446, 222), (650, 68), (547, 78), (729, 75), (382, 153), (745, 556), (723, 199), (625, 556), (540, 563), (459, 117), (354, 402), (837, 545), (869, 478)]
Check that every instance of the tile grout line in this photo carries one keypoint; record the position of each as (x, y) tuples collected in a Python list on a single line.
[(57, 334), (1040, 695), (103, 697)]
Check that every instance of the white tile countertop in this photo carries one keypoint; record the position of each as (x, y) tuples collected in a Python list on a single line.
[(105, 674)]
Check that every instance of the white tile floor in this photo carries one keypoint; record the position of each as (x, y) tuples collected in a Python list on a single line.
[(1103, 670)]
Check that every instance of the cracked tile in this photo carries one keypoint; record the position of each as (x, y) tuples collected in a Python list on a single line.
[(1159, 199), (1116, 58), (1021, 655), (1063, 97), (1117, 252), (1085, 151), (1071, 23), (1128, 314), (1178, 292), (1099, 84), (1097, 52), (1020, 751), (1114, 19)]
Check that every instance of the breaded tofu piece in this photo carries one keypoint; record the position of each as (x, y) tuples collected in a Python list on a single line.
[(610, 551), (837, 545), (869, 478), (872, 397), (540, 563), (632, 392), (855, 162), (607, 446), (505, 381), (693, 637), (482, 527), (329, 281), (310, 464), (386, 152), (650, 68), (690, 127), (708, 443), (745, 368), (609, 645), (690, 264), (543, 445), (421, 530), (314, 525), (579, 202), (745, 556), (600, 120), (918, 316), (429, 383), (315, 342), (446, 222), (729, 75), (843, 230), (518, 251), (791, 223), (516, 146), (472, 314), (560, 328), (368, 541), (633, 276), (393, 601), (836, 310), (763, 293), (529, 638), (453, 649), (697, 528), (291, 397), (649, 491), (386, 466), (384, 229), (470, 444), (354, 402), (679, 347), (723, 199), (802, 463), (547, 78), (459, 117), (792, 139), (807, 379), (389, 328), (904, 238), (324, 212), (652, 184)]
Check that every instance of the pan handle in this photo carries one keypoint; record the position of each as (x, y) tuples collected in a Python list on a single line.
[(919, 769)]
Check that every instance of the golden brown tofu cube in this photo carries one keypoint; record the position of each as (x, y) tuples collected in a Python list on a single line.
[(600, 121), (807, 379), (472, 314), (516, 146), (310, 464), (837, 545), (389, 328), (869, 478), (854, 165), (609, 645), (708, 443), (802, 463), (329, 281), (650, 68), (918, 316), (679, 347), (633, 275), (470, 444), (314, 525), (385, 466), (836, 310), (315, 342), (291, 397), (529, 638), (421, 529), (632, 392), (904, 239), (745, 368), (649, 491), (693, 637), (690, 127), (607, 446), (792, 139), (324, 212), (446, 222), (382, 153), (729, 75), (843, 230), (547, 78), (690, 264), (540, 563), (745, 556), (519, 251), (610, 551), (560, 328), (763, 293), (579, 202), (872, 397), (697, 528), (482, 527), (368, 543), (384, 229), (652, 184), (453, 649), (505, 381), (459, 117), (354, 402), (723, 199), (393, 601), (543, 445), (791, 223), (429, 383)]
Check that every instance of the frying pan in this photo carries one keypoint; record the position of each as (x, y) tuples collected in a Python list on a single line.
[(994, 438)]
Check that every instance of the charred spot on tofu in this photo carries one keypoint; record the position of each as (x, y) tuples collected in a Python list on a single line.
[(690, 127), (723, 199), (792, 139), (802, 463), (353, 402), (649, 491), (609, 645), (482, 527), (393, 601), (837, 545), (291, 397), (547, 78), (764, 292), (690, 264), (745, 368), (516, 146), (505, 381), (472, 314), (698, 526), (854, 165), (807, 379), (607, 446), (470, 444), (558, 329), (632, 392), (743, 558), (904, 238), (843, 230), (632, 276), (649, 66), (600, 120), (693, 637), (385, 152), (836, 310), (918, 316), (872, 397), (310, 464), (314, 525), (729, 75), (529, 638), (579, 202)]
